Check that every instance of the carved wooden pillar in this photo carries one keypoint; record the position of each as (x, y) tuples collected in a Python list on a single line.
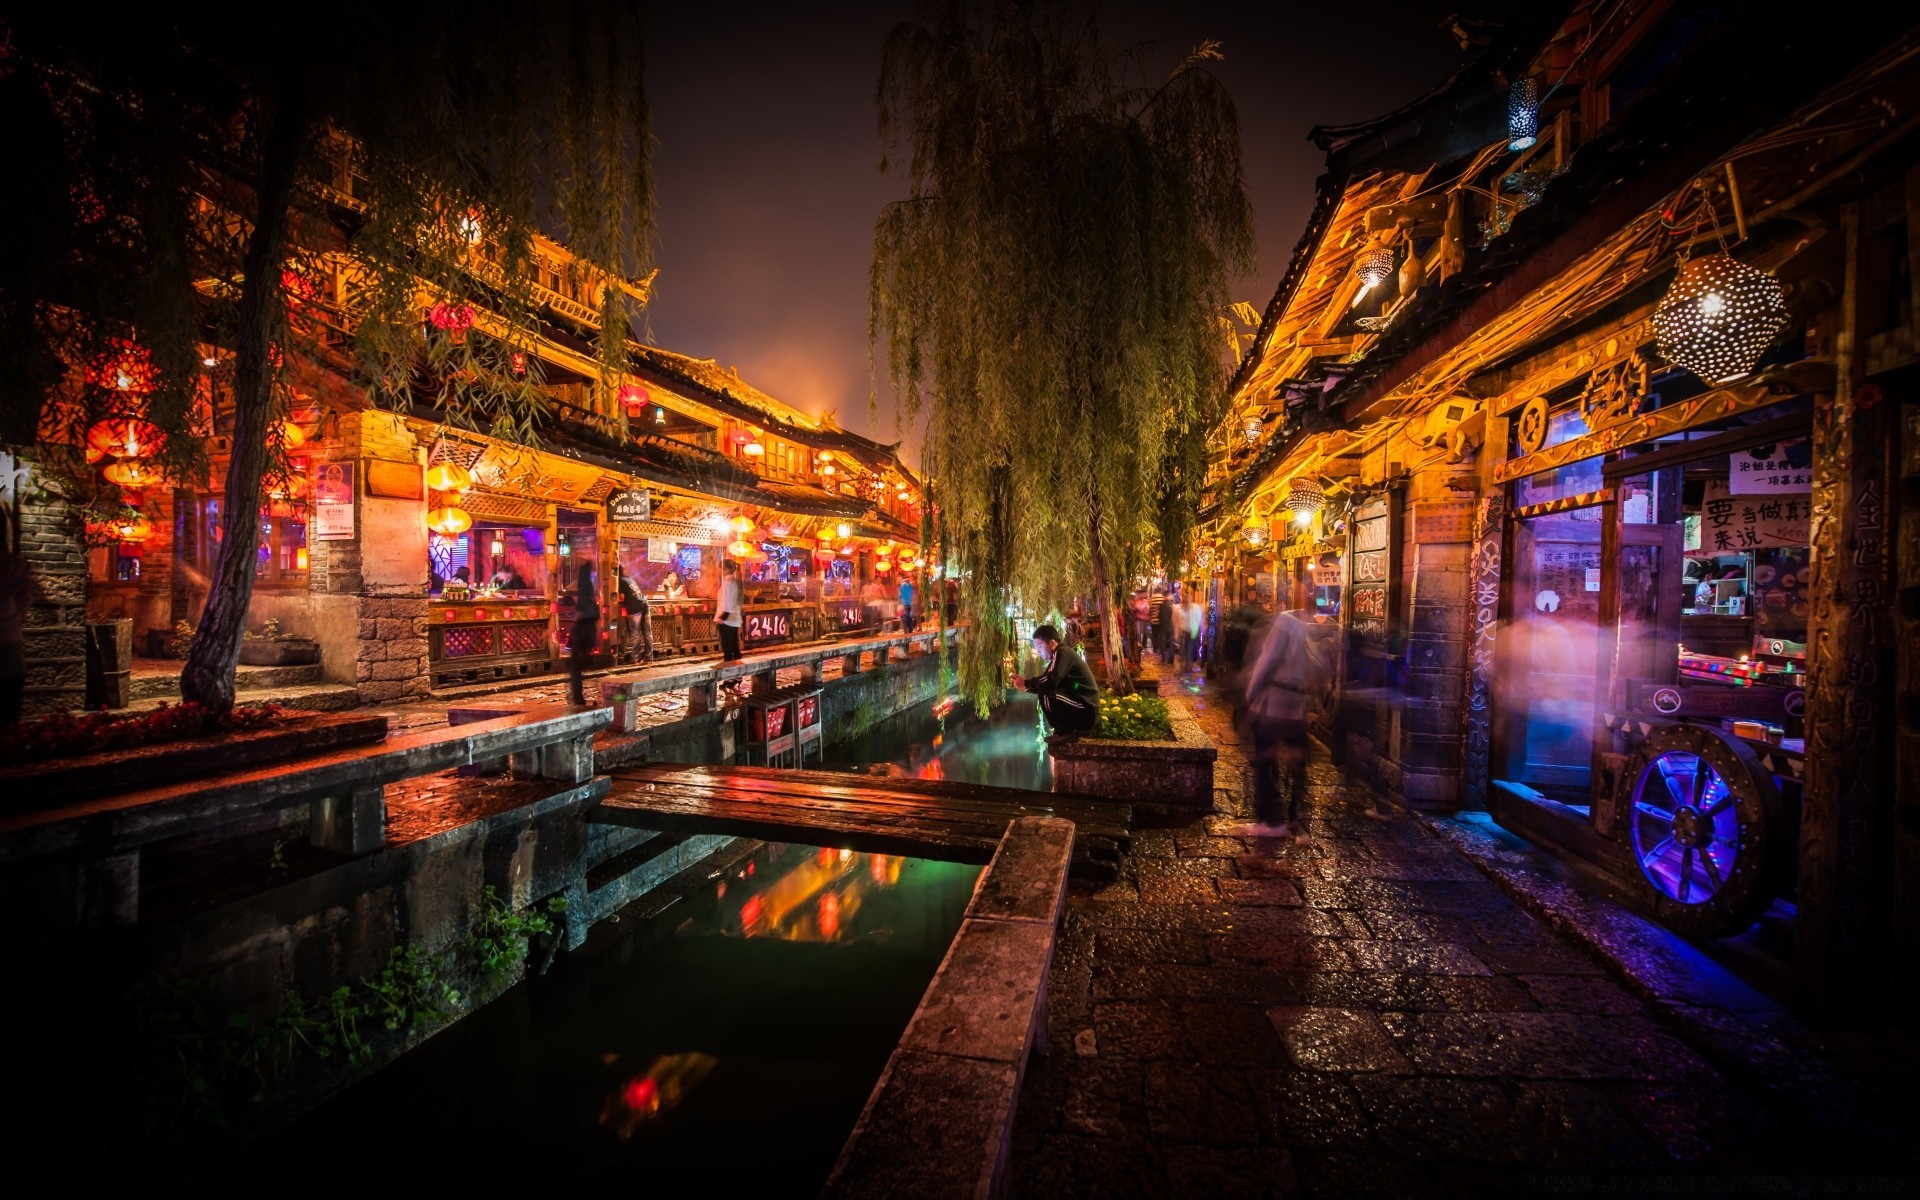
[(1846, 825)]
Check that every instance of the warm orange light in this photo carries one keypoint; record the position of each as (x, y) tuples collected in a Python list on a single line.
[(300, 559), (291, 435), (123, 437), (741, 525), (633, 397), (739, 548), (449, 522), (131, 473), (753, 450), (133, 529), (449, 477), (827, 470)]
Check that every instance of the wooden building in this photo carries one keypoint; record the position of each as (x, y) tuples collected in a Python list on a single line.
[(1584, 416)]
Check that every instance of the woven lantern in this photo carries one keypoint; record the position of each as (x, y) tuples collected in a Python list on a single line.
[(132, 473), (1305, 498), (633, 398), (123, 437), (449, 521), (1719, 317), (1523, 114), (1374, 266), (449, 477), (1251, 430), (1255, 535)]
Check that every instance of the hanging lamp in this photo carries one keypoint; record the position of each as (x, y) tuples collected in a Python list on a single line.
[(449, 521), (1305, 498), (1523, 113), (1719, 317), (1373, 266), (449, 477)]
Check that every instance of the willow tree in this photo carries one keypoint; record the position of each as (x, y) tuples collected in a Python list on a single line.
[(1051, 288), (206, 170)]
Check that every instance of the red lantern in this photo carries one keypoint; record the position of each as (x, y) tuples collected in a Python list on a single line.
[(451, 319), (125, 367), (122, 437), (633, 398), (132, 473)]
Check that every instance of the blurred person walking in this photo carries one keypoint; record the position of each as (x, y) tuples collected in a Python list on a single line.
[(1273, 718), (584, 634), (726, 611)]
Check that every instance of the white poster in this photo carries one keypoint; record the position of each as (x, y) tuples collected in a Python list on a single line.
[(1770, 470), (1729, 524), (660, 550), (333, 500)]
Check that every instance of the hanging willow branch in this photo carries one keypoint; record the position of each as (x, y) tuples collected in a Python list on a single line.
[(1050, 289)]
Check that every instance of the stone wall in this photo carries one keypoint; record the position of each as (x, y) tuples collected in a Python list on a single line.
[(51, 540)]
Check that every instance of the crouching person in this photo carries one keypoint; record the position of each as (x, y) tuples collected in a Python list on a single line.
[(1068, 696)]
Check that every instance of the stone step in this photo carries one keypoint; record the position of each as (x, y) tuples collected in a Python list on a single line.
[(309, 697), (164, 684)]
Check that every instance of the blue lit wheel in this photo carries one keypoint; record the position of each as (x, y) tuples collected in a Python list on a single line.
[(1707, 829)]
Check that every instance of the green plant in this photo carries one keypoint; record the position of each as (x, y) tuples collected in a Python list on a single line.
[(1133, 718), (499, 935), (409, 990)]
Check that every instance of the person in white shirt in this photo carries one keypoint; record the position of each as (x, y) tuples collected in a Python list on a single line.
[(726, 614)]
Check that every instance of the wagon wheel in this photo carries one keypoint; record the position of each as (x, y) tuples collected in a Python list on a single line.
[(1708, 830), (1532, 430)]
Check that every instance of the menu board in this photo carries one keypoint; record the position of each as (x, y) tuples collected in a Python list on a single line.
[(1372, 568)]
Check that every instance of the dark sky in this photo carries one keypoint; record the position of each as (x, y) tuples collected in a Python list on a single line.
[(767, 155)]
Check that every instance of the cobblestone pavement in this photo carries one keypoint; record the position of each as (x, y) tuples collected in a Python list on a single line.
[(1365, 1015)]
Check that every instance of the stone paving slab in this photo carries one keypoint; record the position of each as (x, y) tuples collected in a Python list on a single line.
[(1367, 1014)]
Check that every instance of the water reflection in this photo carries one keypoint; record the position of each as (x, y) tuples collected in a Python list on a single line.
[(943, 739), (767, 1003)]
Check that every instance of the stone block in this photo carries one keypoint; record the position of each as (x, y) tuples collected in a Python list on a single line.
[(1439, 620), (392, 629), (1435, 652), (981, 1004), (396, 669), (936, 1127), (352, 823)]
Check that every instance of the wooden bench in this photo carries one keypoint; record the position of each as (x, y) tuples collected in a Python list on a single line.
[(939, 1121), (961, 822), (98, 841)]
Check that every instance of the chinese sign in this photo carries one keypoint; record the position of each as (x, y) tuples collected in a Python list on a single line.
[(630, 504), (1445, 521), (1768, 470), (1369, 609), (1729, 524), (333, 502)]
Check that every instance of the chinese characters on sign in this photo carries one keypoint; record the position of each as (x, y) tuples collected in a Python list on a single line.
[(1768, 470), (333, 502), (1729, 524)]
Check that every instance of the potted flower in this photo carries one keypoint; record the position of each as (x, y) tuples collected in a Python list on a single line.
[(272, 648)]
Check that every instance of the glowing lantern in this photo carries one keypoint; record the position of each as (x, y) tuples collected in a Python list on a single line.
[(1251, 430), (753, 449), (903, 496), (449, 477), (565, 548), (883, 565), (1305, 498), (497, 546), (741, 437), (633, 398), (519, 362), (469, 227), (300, 558), (740, 548), (133, 529), (449, 521), (827, 470), (291, 435), (1255, 535), (1373, 267), (843, 529), (125, 367), (659, 415), (1719, 317), (123, 437), (131, 473), (1523, 114), (451, 319)]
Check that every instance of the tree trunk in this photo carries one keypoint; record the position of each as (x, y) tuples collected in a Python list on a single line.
[(208, 676), (1112, 649)]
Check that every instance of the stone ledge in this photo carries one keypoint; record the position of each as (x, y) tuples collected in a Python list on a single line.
[(1167, 774), (939, 1121)]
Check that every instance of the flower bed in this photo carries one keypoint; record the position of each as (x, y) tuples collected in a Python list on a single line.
[(62, 735), (1134, 718), (1171, 775)]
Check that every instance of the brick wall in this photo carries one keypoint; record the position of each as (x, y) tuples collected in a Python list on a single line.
[(392, 661), (51, 539)]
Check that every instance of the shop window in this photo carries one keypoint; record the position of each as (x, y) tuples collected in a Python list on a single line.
[(281, 559), (1549, 688), (495, 560), (1561, 483)]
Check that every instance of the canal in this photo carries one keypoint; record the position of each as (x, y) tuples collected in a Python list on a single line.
[(725, 1048)]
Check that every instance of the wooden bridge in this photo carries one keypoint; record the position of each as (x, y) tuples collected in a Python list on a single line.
[(924, 818)]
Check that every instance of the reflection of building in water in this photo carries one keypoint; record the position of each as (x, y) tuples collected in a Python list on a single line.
[(832, 895)]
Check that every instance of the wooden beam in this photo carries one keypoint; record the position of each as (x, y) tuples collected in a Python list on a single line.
[(1715, 405)]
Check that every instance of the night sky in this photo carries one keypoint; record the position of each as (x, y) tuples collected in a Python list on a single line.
[(767, 157)]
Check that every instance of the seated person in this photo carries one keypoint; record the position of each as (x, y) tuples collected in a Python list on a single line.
[(1066, 689), (506, 579)]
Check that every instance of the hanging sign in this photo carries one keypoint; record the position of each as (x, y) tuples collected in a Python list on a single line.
[(333, 500), (1442, 521), (1771, 469), (660, 550), (1369, 609), (630, 504), (1729, 524), (1326, 577)]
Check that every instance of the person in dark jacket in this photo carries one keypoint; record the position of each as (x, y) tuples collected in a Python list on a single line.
[(585, 634), (1067, 693)]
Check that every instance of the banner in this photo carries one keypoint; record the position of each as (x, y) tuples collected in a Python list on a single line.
[(1729, 524), (333, 500), (1770, 470)]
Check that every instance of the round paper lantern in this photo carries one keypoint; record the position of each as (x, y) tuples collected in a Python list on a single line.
[(742, 525), (753, 449), (739, 548), (449, 521), (449, 477), (123, 437), (455, 319), (1719, 317), (1374, 266), (1523, 114), (1305, 498), (125, 367), (634, 398), (132, 473), (132, 529), (291, 435)]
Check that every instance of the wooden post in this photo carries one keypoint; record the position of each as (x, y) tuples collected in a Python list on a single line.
[(1846, 825), (353, 822)]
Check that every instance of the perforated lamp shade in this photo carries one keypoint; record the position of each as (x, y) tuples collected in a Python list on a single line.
[(1523, 114), (1374, 266), (1719, 317), (1305, 498)]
